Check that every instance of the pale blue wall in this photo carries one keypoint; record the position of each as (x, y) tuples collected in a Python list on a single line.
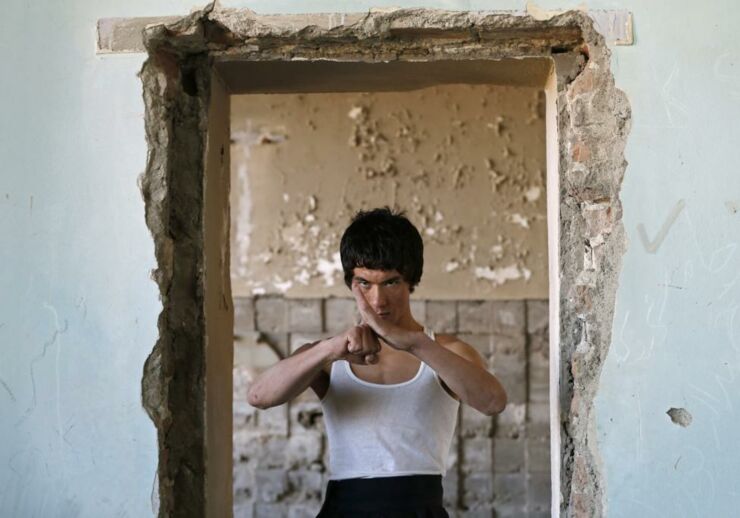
[(78, 311)]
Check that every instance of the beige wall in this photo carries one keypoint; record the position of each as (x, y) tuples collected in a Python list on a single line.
[(466, 162)]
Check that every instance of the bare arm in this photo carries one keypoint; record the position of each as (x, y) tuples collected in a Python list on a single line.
[(309, 364), (462, 369), (289, 377), (458, 364)]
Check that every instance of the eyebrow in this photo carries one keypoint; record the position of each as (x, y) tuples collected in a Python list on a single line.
[(362, 279)]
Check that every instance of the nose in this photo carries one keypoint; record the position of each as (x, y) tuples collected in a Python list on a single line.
[(377, 298)]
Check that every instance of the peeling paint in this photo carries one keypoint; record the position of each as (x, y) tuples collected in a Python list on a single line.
[(426, 151)]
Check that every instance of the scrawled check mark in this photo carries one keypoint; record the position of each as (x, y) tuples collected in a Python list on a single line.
[(652, 246)]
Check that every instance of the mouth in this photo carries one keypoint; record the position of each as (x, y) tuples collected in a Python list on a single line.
[(384, 314)]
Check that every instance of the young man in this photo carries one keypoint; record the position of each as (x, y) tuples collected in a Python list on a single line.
[(389, 387)]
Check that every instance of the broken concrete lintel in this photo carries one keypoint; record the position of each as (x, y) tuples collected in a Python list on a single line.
[(124, 35)]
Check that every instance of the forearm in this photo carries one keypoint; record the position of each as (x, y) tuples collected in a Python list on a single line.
[(291, 376), (473, 384)]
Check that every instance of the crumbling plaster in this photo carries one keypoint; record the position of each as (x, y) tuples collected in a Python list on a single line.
[(466, 162), (593, 121)]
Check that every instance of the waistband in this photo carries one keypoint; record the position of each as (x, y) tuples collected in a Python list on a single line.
[(407, 491)]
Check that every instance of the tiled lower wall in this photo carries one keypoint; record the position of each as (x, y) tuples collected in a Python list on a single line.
[(498, 466)]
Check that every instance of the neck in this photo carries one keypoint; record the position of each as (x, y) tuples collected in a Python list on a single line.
[(408, 322)]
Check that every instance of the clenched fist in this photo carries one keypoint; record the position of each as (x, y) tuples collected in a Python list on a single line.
[(358, 344)]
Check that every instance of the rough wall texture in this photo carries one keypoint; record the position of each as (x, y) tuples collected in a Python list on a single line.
[(466, 162), (592, 127), (496, 464)]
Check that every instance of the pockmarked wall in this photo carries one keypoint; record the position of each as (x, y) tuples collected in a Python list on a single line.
[(466, 163), (78, 311)]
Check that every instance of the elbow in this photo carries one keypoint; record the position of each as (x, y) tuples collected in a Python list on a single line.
[(255, 399), (497, 404)]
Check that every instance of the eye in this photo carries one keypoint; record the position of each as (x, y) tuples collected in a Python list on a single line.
[(363, 283), (392, 282)]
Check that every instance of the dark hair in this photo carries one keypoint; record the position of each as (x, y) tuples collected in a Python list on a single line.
[(381, 239)]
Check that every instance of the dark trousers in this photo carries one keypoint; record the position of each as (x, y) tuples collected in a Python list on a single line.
[(412, 496)]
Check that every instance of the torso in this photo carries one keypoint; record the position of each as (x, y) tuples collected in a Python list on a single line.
[(394, 366)]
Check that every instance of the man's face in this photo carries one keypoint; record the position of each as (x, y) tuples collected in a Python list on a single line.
[(386, 291)]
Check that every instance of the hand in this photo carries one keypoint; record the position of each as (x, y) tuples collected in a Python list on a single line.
[(395, 336), (358, 345)]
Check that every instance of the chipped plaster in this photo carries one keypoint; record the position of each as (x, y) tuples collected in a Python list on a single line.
[(593, 117)]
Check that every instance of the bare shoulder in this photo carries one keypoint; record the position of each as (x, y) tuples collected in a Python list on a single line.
[(461, 348)]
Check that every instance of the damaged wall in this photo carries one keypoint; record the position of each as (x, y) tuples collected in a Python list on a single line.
[(465, 161), (82, 317)]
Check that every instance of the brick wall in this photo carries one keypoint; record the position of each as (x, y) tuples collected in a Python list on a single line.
[(497, 466)]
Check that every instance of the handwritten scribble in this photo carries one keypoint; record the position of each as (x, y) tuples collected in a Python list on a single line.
[(652, 246)]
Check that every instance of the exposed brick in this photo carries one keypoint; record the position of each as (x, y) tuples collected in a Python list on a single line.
[(244, 509), (538, 414), (509, 366), (306, 416), (419, 311), (481, 511), (510, 487), (482, 343), (508, 317), (340, 314), (270, 510), (309, 483), (263, 452), (272, 484), (539, 491), (303, 449), (304, 510), (508, 345), (305, 315), (253, 354), (452, 456), (538, 316), (539, 378), (474, 316), (450, 489), (477, 489), (510, 494), (508, 455), (271, 314), (538, 454), (299, 339), (243, 316), (244, 482), (276, 341), (274, 421), (477, 455), (441, 316), (511, 422), (475, 423)]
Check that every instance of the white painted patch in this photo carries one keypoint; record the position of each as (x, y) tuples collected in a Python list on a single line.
[(258, 291), (303, 277), (518, 219), (286, 197), (504, 274), (430, 231), (356, 112), (329, 269), (283, 286), (532, 194), (452, 266), (438, 216)]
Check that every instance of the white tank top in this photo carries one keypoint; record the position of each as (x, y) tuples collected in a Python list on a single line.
[(378, 430)]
